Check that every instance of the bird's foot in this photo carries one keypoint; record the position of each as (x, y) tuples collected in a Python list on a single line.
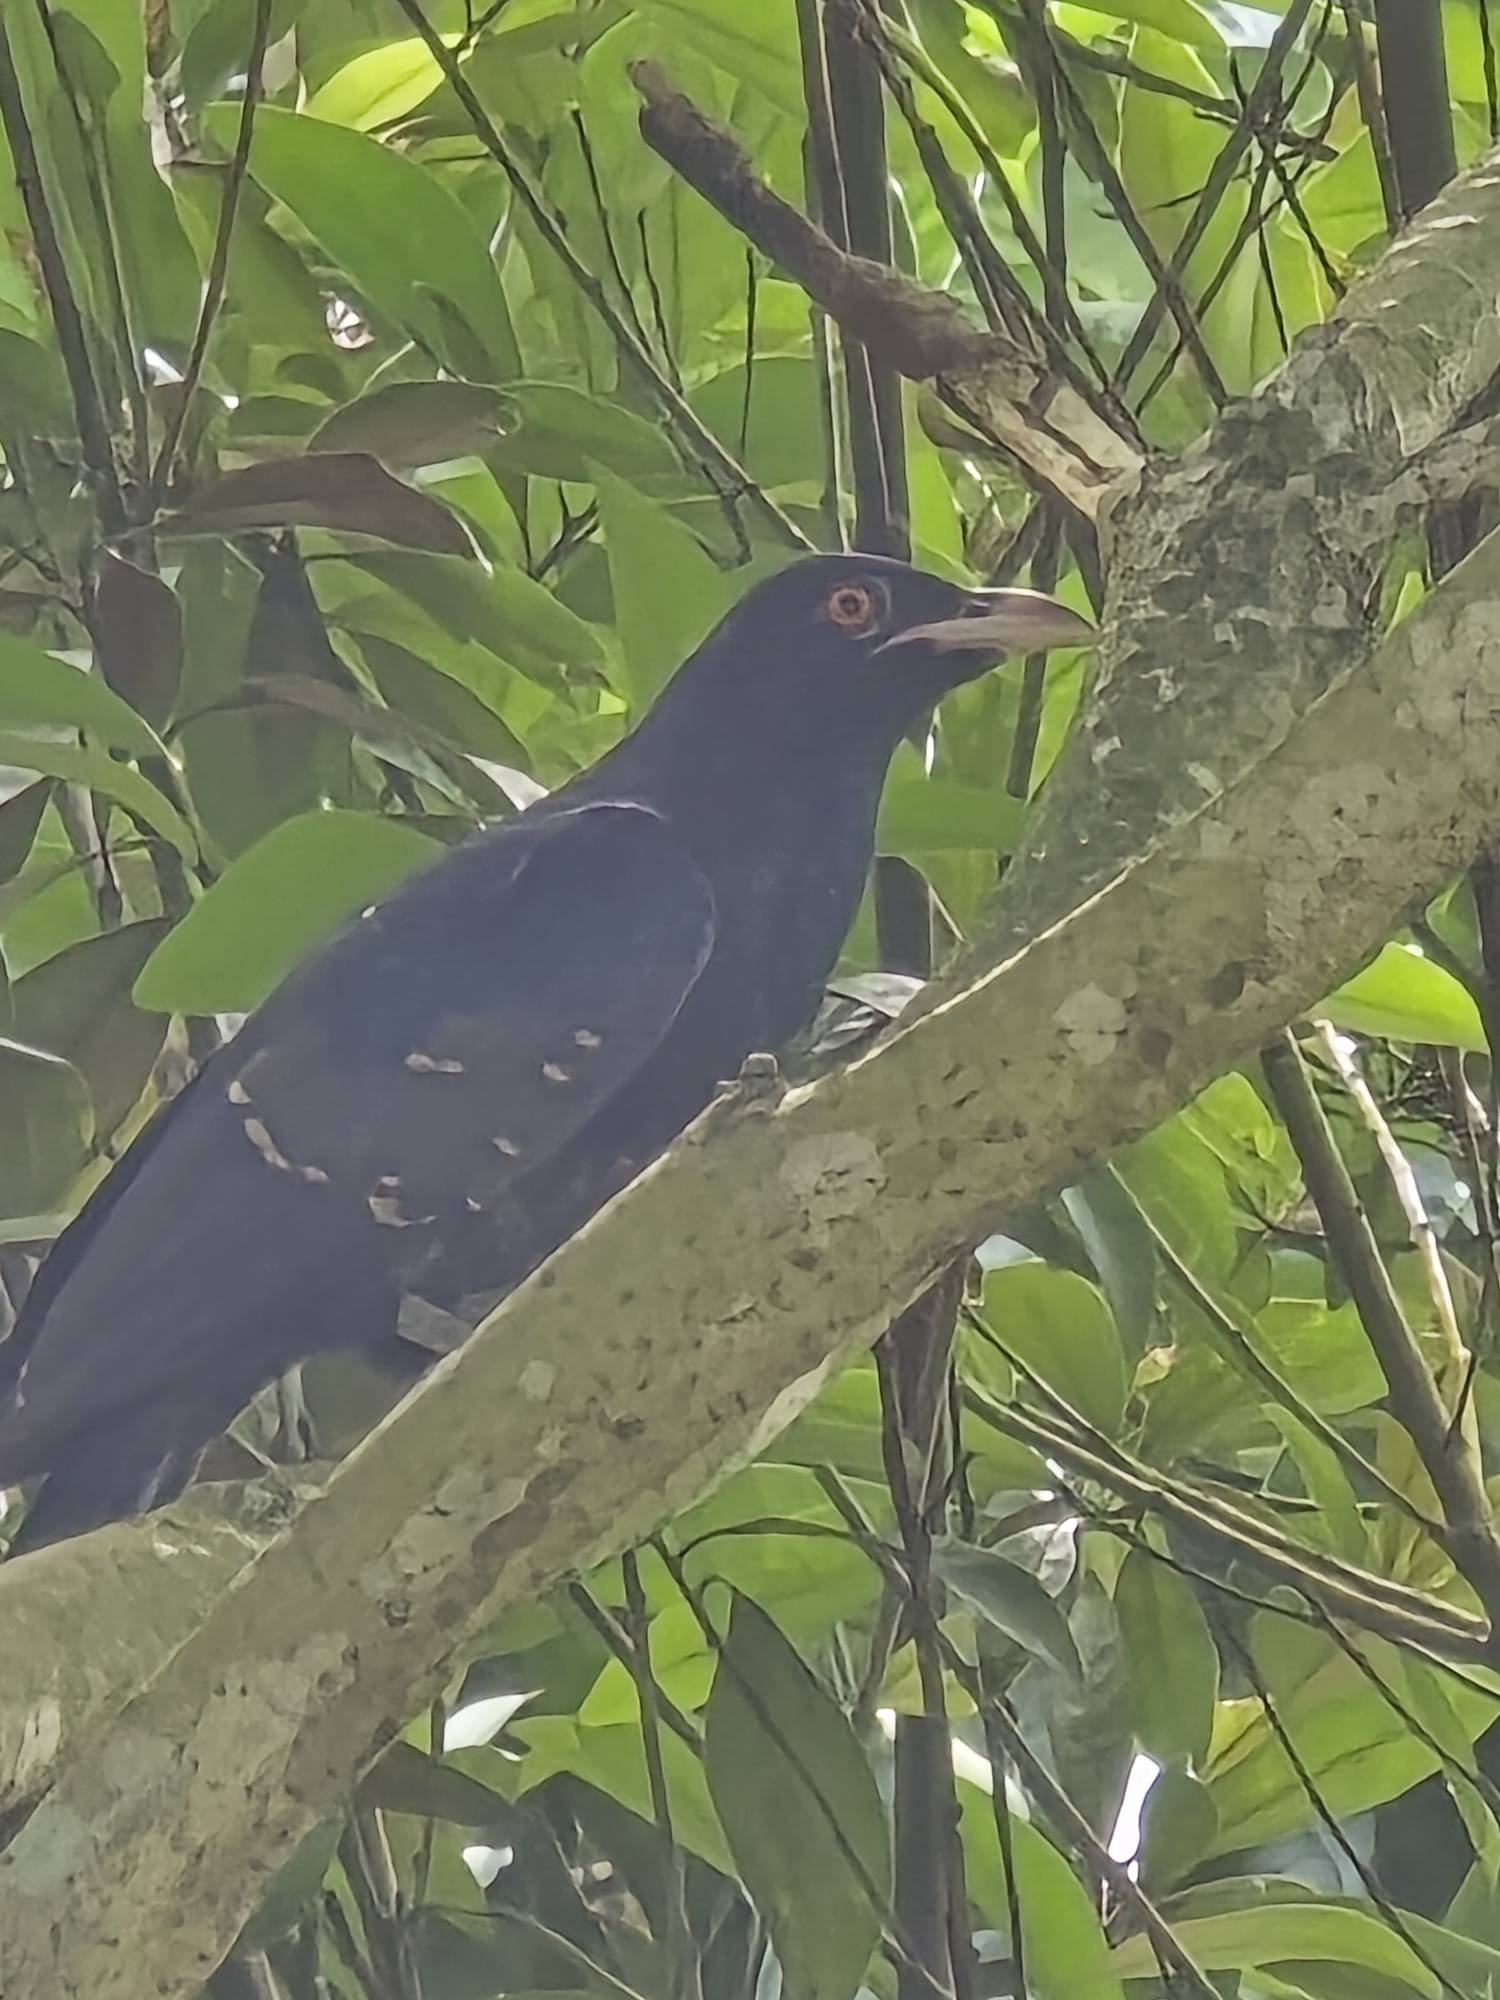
[(760, 1085)]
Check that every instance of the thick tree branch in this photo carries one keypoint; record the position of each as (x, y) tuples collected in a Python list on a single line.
[(1245, 574)]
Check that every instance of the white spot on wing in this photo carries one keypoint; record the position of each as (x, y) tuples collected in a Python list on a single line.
[(555, 1073), (384, 1204), (260, 1138), (237, 1093), (446, 1065), (587, 1039), (507, 1146)]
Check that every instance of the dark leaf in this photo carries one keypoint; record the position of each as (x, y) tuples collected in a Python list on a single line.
[(407, 1781), (77, 1004), (47, 1128), (346, 492), (20, 816), (416, 423), (139, 627), (1009, 1598)]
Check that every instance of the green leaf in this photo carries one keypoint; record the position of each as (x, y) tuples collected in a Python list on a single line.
[(276, 902), (416, 423), (101, 773), (47, 1128), (379, 86), (669, 592), (36, 688), (557, 432), (406, 1781), (139, 628), (613, 1761), (926, 815), (1011, 1599), (1407, 998), (1060, 1324), (800, 1808), (1066, 1952), (368, 206), (1178, 1827), (77, 1004), (293, 1887), (503, 609), (1271, 1934), (1171, 1662), (755, 45), (347, 492)]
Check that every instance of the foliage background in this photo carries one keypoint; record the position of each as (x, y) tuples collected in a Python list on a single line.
[(381, 446)]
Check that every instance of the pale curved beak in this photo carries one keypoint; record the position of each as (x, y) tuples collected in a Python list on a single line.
[(1000, 622)]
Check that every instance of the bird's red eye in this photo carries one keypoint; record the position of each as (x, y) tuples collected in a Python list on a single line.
[(852, 608)]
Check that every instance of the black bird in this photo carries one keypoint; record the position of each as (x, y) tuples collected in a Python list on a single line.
[(444, 1092)]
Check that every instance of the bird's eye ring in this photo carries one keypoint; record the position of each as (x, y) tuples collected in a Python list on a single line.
[(852, 607)]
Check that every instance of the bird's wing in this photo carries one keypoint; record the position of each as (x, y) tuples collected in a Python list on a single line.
[(431, 1059)]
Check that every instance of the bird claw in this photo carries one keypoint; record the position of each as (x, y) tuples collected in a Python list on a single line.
[(760, 1085)]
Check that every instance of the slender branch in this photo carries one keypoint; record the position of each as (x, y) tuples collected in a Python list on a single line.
[(995, 383), (1363, 1599), (1414, 90), (93, 432), (218, 264), (1169, 295), (682, 1953), (1470, 1535)]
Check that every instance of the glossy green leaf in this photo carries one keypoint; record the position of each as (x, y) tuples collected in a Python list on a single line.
[(799, 1806), (668, 591), (1010, 1598), (925, 815), (1271, 1934), (101, 773), (1065, 1948), (367, 205), (1409, 999), (1171, 1662), (272, 905), (139, 626), (1060, 1324), (416, 423), (382, 84), (39, 690), (48, 1126), (78, 1005)]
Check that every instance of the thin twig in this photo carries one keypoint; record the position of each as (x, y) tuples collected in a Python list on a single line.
[(93, 432), (218, 263), (681, 1951), (1450, 1460)]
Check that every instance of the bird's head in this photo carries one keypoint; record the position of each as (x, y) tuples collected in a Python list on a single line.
[(867, 635)]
